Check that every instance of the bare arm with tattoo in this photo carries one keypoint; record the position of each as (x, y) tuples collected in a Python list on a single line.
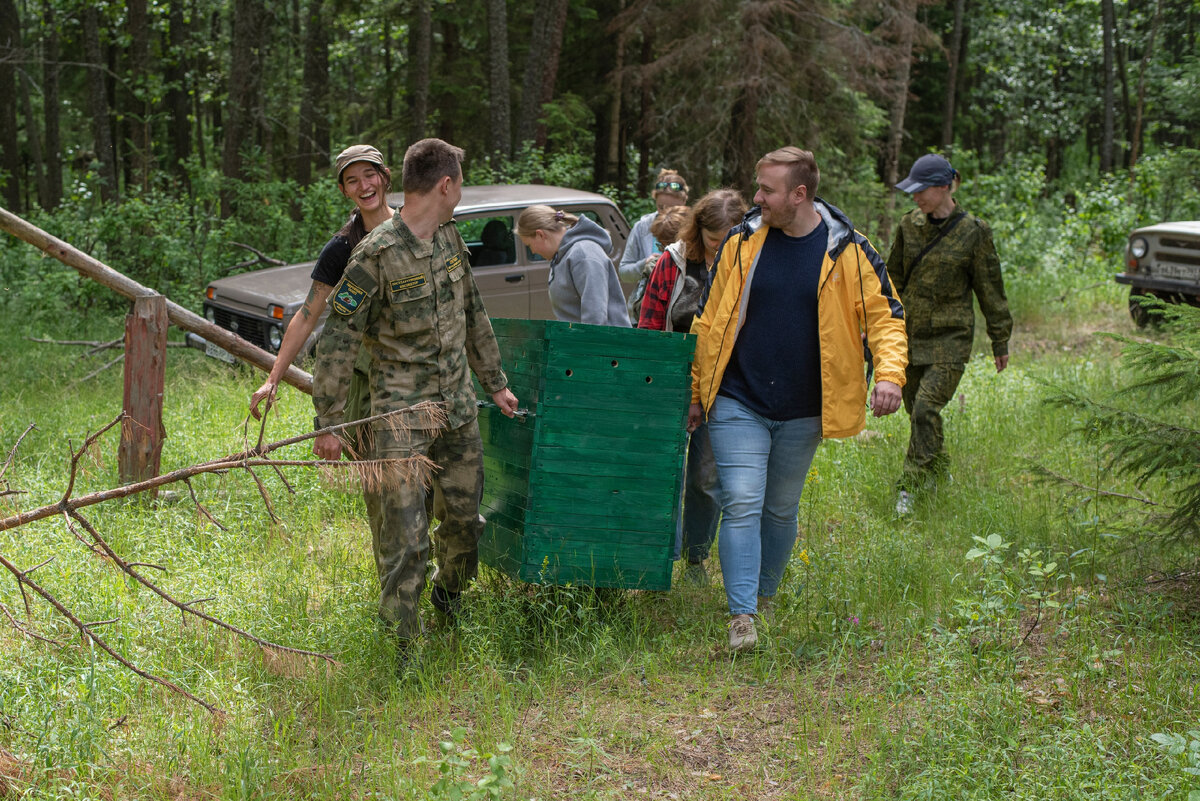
[(297, 334)]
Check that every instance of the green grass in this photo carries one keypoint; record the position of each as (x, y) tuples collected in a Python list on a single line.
[(873, 680)]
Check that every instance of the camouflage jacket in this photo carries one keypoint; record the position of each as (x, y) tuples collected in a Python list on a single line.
[(936, 293), (414, 307)]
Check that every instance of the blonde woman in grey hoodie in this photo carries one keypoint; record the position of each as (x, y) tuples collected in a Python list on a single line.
[(583, 282)]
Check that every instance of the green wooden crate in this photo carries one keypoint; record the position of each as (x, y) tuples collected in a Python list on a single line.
[(583, 488)]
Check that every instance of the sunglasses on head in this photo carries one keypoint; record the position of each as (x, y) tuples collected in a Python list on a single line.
[(673, 186)]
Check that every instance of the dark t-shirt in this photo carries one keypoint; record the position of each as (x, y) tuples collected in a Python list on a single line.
[(775, 367), (332, 261)]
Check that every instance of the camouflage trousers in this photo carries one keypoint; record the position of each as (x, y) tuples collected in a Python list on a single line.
[(399, 519), (927, 389)]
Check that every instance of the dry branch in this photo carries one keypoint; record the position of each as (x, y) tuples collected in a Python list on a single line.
[(373, 473), (88, 634)]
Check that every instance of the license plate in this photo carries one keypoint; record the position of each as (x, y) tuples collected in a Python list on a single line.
[(217, 352), (1184, 272)]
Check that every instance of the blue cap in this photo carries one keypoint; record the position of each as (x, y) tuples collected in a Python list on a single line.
[(929, 170)]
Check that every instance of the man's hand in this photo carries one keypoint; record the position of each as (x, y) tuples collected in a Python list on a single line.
[(648, 264), (328, 446), (885, 399), (695, 417), (265, 392), (1001, 363), (506, 401)]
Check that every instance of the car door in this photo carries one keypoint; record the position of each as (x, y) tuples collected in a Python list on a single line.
[(502, 279)]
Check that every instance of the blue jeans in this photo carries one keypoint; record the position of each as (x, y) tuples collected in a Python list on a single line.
[(762, 465), (696, 528)]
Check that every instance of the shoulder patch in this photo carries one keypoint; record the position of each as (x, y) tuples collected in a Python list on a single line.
[(347, 297), (408, 282), (453, 263)]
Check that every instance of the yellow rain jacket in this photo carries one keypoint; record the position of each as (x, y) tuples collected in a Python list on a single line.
[(854, 295)]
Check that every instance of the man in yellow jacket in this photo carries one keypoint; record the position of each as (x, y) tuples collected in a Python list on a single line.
[(779, 365)]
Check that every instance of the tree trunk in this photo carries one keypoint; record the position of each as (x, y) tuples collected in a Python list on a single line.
[(645, 127), (498, 83), (531, 87), (447, 103), (35, 141), (315, 93), (1107, 17), (10, 157), (1136, 145), (419, 46), (556, 26), (389, 83), (612, 160), (138, 24), (53, 149), (177, 96), (1122, 50), (891, 163), (245, 95), (954, 57), (98, 105)]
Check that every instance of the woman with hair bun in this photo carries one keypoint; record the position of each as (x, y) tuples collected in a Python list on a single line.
[(641, 251), (583, 284)]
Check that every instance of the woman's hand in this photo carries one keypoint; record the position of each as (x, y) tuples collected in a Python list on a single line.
[(265, 392)]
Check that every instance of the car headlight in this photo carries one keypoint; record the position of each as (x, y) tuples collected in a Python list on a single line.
[(210, 314), (274, 336), (1138, 248)]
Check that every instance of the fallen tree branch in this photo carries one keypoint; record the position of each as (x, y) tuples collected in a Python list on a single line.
[(130, 569), (17, 625), (1048, 473), (88, 634), (260, 258), (375, 472), (12, 454), (99, 370)]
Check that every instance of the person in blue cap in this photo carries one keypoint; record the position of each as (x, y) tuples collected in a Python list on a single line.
[(941, 255)]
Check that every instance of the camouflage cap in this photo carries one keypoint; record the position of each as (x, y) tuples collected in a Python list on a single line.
[(929, 170), (358, 153)]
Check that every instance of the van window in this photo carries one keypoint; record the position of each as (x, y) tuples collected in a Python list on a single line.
[(490, 240)]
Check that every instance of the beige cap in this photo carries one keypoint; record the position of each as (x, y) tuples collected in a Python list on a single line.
[(358, 153)]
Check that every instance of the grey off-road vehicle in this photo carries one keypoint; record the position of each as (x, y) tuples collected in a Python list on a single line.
[(1163, 261), (258, 305)]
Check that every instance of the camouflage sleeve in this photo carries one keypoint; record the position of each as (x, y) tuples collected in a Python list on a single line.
[(988, 284), (483, 353), (352, 304), (895, 262)]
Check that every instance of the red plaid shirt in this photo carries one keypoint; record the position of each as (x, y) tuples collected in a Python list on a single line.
[(658, 294)]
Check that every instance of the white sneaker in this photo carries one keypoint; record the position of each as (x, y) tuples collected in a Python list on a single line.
[(742, 636), (904, 503)]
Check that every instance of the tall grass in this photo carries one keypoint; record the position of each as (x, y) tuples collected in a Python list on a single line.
[(900, 663)]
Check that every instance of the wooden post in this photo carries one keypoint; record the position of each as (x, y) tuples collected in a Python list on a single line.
[(142, 434)]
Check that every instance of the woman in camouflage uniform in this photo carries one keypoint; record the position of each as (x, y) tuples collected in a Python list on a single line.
[(941, 256)]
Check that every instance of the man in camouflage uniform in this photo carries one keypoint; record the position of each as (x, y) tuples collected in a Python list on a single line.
[(409, 300), (941, 256)]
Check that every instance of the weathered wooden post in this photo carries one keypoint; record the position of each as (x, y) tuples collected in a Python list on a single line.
[(142, 433)]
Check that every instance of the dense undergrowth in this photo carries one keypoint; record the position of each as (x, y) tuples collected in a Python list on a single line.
[(1012, 639)]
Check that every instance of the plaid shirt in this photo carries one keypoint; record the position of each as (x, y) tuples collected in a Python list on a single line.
[(658, 294)]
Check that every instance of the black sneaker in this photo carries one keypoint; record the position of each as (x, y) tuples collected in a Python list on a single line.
[(446, 602)]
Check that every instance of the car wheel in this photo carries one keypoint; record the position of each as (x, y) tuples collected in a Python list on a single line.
[(1139, 313)]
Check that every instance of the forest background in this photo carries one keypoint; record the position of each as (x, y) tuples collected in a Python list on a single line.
[(153, 134), (1031, 633)]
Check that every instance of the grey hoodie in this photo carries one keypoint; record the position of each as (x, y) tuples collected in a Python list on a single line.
[(583, 282)]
